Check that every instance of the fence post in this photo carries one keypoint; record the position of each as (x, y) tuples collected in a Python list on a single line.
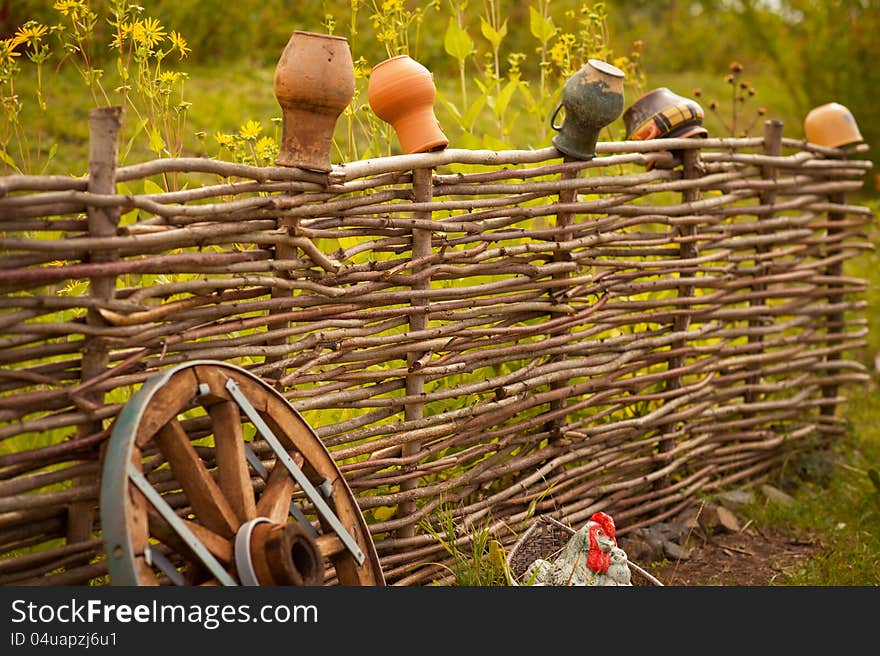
[(834, 320), (283, 251), (423, 192), (687, 249), (104, 127), (773, 148), (563, 220)]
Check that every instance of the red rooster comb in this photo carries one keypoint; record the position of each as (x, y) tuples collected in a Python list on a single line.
[(606, 523)]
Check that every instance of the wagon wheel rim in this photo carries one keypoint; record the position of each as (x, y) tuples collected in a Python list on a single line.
[(186, 499)]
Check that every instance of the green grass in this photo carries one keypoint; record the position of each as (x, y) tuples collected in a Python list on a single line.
[(837, 501), (224, 99), (838, 497)]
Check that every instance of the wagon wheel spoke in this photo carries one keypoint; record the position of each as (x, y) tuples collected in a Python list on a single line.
[(217, 545), (276, 498), (186, 500), (232, 467), (208, 502), (180, 528)]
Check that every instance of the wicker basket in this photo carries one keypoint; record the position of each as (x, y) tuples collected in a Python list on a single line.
[(546, 538)]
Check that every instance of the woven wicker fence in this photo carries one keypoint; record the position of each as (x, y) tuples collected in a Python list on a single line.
[(486, 336)]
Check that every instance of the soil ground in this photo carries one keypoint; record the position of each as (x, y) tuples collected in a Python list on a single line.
[(755, 556)]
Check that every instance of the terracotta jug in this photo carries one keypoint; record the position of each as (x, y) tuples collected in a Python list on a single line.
[(401, 92), (831, 125), (314, 82), (592, 98)]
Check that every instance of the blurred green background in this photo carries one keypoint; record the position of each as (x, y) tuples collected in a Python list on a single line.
[(795, 54)]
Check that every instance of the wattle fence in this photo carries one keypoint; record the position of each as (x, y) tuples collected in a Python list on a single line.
[(476, 336)]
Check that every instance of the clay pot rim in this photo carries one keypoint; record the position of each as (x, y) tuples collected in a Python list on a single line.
[(320, 35), (605, 67), (696, 121), (686, 131), (647, 96), (647, 108)]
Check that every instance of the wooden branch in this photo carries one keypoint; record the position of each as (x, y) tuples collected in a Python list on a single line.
[(503, 334)]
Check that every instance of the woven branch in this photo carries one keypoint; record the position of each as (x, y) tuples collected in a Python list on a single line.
[(565, 337)]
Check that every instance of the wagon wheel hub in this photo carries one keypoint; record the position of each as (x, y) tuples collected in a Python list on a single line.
[(267, 553)]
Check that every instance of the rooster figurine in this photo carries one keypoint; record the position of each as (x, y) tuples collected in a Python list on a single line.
[(590, 558)]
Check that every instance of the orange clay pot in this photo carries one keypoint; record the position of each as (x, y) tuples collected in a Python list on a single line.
[(314, 82), (401, 92), (831, 125)]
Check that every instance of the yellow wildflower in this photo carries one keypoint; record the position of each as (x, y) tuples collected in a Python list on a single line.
[(250, 130), (148, 32), (559, 53), (168, 77), (7, 51), (266, 148), (361, 68), (225, 140), (179, 43), (31, 32), (124, 32), (73, 8)]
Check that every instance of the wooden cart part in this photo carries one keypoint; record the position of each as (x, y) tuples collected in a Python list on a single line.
[(186, 499)]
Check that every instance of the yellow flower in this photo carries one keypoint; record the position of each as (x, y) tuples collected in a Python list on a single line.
[(169, 77), (31, 32), (361, 68), (559, 52), (124, 31), (621, 62), (392, 5), (225, 140), (266, 148), (250, 130), (73, 8), (179, 42), (148, 32), (7, 51)]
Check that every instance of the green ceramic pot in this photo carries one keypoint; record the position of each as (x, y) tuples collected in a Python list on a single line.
[(592, 99)]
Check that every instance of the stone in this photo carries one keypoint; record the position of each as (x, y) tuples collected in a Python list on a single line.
[(675, 551), (674, 530), (776, 495), (734, 499), (727, 520), (690, 517), (708, 518), (638, 549)]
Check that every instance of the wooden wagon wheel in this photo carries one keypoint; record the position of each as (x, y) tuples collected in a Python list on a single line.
[(186, 499)]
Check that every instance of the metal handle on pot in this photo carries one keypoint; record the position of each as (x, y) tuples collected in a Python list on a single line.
[(553, 119)]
